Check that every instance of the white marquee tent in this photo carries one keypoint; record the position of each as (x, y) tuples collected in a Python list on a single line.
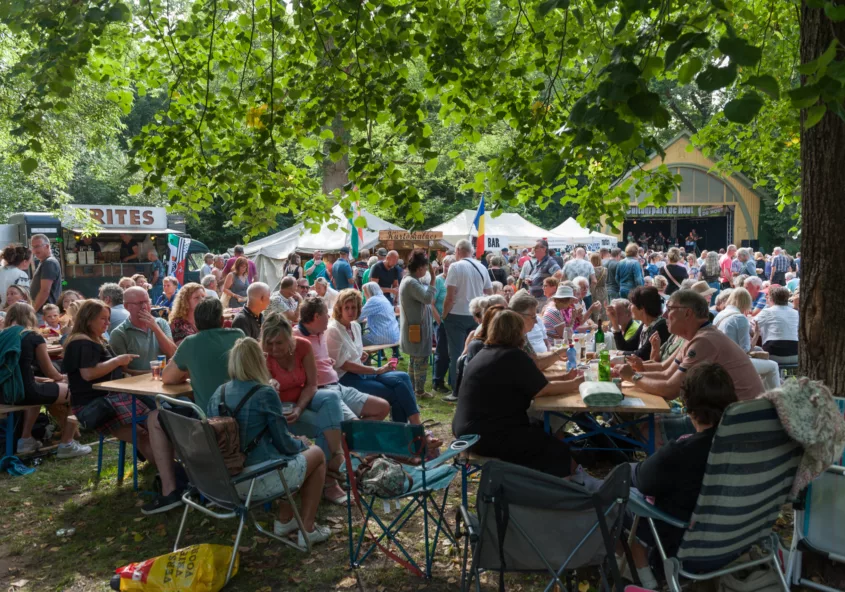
[(270, 253), (517, 231), (575, 234)]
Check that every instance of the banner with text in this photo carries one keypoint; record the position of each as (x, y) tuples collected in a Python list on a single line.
[(673, 211), (178, 253)]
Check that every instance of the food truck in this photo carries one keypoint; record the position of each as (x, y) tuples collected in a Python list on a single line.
[(110, 254)]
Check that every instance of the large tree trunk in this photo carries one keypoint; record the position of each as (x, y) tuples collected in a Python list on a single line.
[(822, 329), (336, 174)]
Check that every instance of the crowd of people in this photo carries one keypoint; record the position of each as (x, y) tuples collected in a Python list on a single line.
[(296, 351)]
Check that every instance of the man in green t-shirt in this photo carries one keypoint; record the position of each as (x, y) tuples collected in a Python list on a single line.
[(316, 268), (204, 358)]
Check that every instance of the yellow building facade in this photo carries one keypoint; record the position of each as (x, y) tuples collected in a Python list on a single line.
[(722, 210)]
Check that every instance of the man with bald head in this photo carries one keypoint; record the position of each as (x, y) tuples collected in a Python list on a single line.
[(252, 314), (141, 334), (580, 267), (388, 275)]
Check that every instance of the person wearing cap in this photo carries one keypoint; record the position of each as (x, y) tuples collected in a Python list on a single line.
[(342, 275), (316, 268), (239, 252), (688, 317)]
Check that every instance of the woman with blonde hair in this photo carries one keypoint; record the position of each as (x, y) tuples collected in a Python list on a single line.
[(88, 359), (710, 272), (261, 422), (51, 391), (181, 317), (673, 271), (236, 283), (346, 348), (733, 320)]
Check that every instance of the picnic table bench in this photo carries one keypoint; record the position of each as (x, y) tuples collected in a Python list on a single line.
[(378, 349), (8, 411)]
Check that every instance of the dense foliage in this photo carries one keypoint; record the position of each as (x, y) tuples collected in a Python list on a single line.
[(537, 103)]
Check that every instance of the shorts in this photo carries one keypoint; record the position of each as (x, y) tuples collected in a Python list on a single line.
[(269, 485), (122, 405), (352, 400), (40, 393)]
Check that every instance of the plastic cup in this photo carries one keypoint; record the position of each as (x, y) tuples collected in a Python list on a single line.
[(287, 408), (392, 362), (155, 366)]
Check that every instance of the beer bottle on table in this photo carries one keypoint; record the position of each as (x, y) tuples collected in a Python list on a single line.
[(604, 366)]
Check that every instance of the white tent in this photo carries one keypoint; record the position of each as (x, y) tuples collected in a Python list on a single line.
[(575, 234), (515, 229), (270, 253)]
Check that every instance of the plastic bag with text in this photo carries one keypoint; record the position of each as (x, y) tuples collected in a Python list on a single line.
[(198, 568)]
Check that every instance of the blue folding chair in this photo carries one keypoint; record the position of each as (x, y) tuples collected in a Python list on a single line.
[(818, 519), (423, 482)]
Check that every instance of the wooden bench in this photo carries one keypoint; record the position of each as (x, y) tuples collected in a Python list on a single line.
[(377, 349), (8, 411)]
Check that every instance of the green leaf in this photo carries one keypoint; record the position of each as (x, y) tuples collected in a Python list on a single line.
[(119, 13), (713, 78), (836, 107), (431, 165), (621, 132), (765, 83), (550, 167), (135, 189), (360, 222), (309, 160), (803, 96), (548, 5), (745, 109), (29, 165), (740, 51), (814, 115), (683, 45), (327, 134), (651, 66), (820, 63), (644, 105), (835, 12), (689, 70)]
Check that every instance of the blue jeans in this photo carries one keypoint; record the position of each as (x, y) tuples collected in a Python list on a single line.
[(323, 413), (394, 387), (457, 329), (441, 357)]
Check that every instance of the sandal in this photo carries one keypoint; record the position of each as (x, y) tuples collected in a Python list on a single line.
[(335, 473), (339, 500)]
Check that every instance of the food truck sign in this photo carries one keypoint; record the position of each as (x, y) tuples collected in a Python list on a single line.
[(122, 217)]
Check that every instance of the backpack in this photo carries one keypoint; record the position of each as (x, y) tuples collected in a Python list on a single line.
[(11, 380), (383, 477), (226, 430)]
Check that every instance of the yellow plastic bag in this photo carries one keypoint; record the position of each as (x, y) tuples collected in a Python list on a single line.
[(198, 568)]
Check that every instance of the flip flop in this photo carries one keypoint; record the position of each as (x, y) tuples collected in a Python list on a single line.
[(339, 500)]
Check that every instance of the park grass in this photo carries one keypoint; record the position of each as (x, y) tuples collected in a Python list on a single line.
[(111, 532)]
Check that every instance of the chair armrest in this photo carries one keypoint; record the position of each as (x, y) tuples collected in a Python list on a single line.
[(462, 444), (836, 469), (260, 469), (640, 507), (464, 514)]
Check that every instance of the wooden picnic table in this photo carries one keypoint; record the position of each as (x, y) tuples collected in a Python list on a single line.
[(378, 349), (637, 402), (142, 384)]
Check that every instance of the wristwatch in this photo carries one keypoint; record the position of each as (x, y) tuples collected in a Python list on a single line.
[(637, 376)]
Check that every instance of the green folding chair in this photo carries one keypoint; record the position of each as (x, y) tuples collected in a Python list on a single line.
[(424, 482), (749, 475)]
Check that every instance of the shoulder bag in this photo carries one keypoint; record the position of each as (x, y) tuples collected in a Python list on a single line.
[(227, 431)]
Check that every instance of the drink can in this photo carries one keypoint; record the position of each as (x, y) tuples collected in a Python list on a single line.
[(163, 360)]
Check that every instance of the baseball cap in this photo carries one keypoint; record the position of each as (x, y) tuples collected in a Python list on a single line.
[(382, 252), (344, 250)]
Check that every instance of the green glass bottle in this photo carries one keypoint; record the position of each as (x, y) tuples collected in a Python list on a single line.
[(604, 366)]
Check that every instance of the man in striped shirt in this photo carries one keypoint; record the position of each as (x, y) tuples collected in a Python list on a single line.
[(780, 265)]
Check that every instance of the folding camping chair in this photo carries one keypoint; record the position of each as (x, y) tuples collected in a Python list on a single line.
[(749, 475), (426, 480), (818, 520), (195, 444), (528, 521)]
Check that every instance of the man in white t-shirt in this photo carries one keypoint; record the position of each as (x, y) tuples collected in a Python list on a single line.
[(580, 267), (467, 279)]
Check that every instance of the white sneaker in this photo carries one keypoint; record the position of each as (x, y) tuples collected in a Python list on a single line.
[(72, 450), (320, 535), (285, 528), (27, 445)]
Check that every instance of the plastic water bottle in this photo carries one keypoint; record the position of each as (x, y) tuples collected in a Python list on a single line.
[(571, 358), (589, 344)]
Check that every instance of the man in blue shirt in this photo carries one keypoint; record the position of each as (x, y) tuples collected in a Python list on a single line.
[(342, 276)]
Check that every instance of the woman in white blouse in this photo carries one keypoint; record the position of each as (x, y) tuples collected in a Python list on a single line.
[(777, 327), (343, 339)]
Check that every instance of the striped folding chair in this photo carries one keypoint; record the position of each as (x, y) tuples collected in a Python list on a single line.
[(749, 475), (817, 524)]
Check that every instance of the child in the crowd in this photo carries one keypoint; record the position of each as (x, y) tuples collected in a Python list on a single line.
[(50, 313)]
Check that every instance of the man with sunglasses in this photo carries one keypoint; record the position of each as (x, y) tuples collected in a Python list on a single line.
[(538, 269), (688, 317)]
